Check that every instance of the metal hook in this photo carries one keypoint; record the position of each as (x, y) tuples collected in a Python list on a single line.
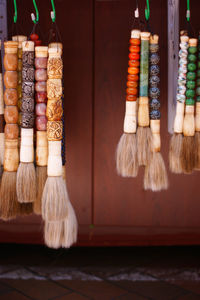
[(147, 10), (53, 12), (35, 19), (15, 14)]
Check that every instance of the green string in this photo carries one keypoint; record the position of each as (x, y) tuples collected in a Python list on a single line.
[(37, 13), (147, 11), (54, 11), (15, 15), (188, 10)]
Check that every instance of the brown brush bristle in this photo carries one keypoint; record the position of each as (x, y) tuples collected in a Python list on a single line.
[(197, 150), (126, 155), (41, 177), (53, 234), (54, 199), (175, 149), (9, 206), (143, 145), (155, 176), (25, 209), (187, 154), (26, 183)]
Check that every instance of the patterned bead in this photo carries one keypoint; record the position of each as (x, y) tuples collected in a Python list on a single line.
[(154, 59), (155, 114), (154, 92), (154, 70), (154, 80), (154, 104)]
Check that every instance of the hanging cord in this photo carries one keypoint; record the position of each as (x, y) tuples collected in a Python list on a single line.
[(54, 33), (15, 14), (15, 26), (190, 29), (35, 19), (147, 17), (36, 26), (137, 23)]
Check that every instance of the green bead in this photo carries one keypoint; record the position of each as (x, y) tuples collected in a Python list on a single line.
[(192, 67), (198, 98), (198, 82), (199, 55), (190, 93), (198, 91), (191, 75), (190, 84), (198, 64), (192, 57), (189, 101), (198, 73), (192, 50)]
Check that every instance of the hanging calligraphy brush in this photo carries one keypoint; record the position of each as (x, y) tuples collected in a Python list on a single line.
[(2, 136), (8, 199), (155, 177), (41, 57), (197, 116), (177, 138), (188, 147), (144, 131)]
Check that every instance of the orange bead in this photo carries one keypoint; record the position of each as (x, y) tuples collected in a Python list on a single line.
[(133, 70), (131, 98), (134, 42), (133, 84), (132, 77), (131, 91), (135, 49), (134, 63), (134, 56)]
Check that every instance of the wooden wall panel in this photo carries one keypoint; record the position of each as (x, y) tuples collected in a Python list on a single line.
[(119, 201)]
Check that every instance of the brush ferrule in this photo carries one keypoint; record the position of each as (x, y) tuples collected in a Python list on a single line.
[(41, 148), (197, 117), (26, 149), (189, 122), (178, 121), (130, 117), (155, 129), (54, 167), (143, 112), (11, 156)]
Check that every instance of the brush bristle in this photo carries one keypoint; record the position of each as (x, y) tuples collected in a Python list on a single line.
[(143, 145), (155, 176), (197, 150), (187, 154), (2, 147), (9, 206), (126, 155), (70, 228), (53, 234), (26, 183), (175, 149), (41, 177), (54, 199)]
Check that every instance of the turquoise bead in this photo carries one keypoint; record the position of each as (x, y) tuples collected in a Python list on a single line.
[(198, 91), (198, 98), (190, 84), (192, 67), (192, 50), (189, 101), (192, 57), (191, 75), (190, 93)]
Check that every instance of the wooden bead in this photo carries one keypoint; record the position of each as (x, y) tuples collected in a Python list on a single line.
[(132, 91), (133, 70), (132, 77), (11, 114), (54, 110), (131, 98), (54, 67), (10, 62), (10, 79), (134, 63), (135, 42), (134, 49), (132, 84), (54, 88), (134, 56), (54, 130), (10, 97), (11, 131)]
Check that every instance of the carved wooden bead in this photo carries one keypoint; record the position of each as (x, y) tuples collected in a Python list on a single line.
[(40, 109), (54, 110), (10, 61), (41, 123), (28, 58), (54, 130), (54, 88), (11, 131), (41, 86), (28, 74), (41, 62), (11, 114), (27, 105), (10, 79), (41, 97), (40, 75), (28, 89), (27, 120), (54, 67), (10, 97)]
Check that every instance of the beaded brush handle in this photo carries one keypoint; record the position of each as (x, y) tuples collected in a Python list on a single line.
[(180, 97), (143, 110), (154, 92), (41, 57), (11, 157), (197, 117), (130, 122), (1, 97), (54, 111), (189, 123)]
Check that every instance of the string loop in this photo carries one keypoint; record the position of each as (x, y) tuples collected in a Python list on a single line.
[(15, 14), (188, 11), (147, 11), (53, 12), (35, 19)]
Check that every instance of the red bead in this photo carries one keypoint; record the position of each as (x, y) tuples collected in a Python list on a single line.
[(41, 97), (41, 123), (133, 70), (132, 84), (133, 77), (132, 91), (38, 43), (134, 42), (131, 98), (34, 36), (40, 109), (134, 63), (135, 49), (134, 56)]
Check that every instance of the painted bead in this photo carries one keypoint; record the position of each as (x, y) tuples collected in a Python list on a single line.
[(154, 70), (28, 74), (154, 58), (192, 67), (27, 120), (134, 56), (180, 98), (155, 114), (155, 104), (28, 89), (154, 48), (154, 80), (154, 92)]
